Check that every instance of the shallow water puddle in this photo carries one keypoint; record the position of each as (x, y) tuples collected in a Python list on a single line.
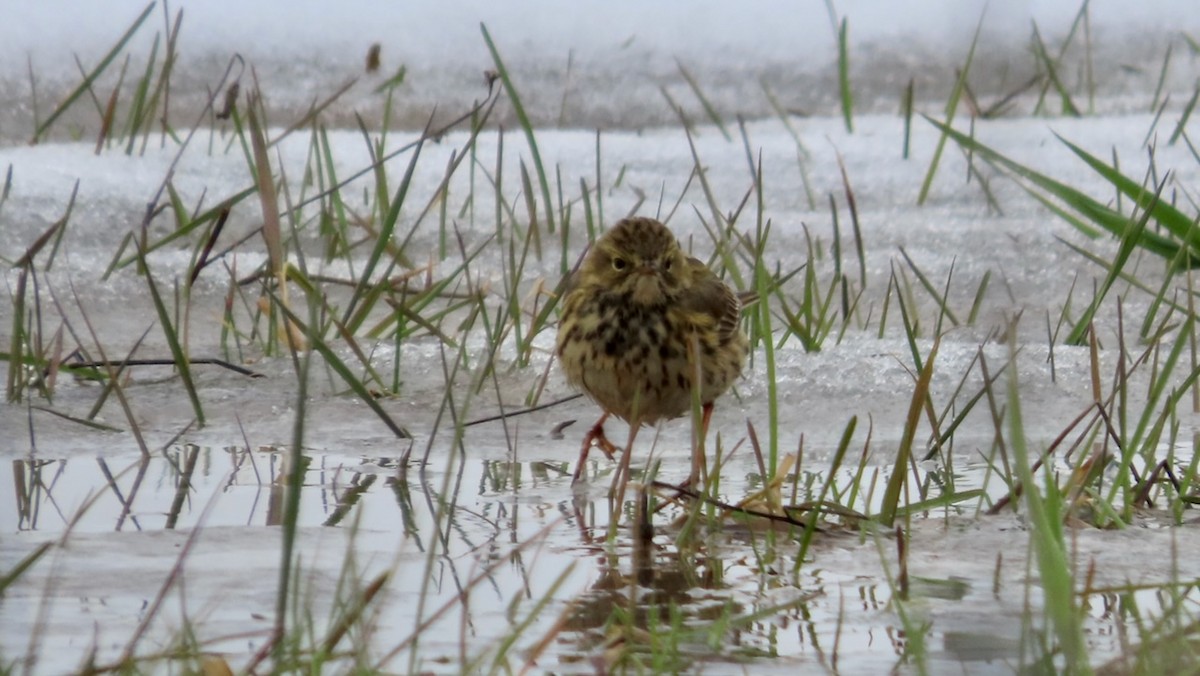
[(516, 546)]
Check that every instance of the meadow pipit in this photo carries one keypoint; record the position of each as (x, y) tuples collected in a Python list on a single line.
[(643, 325)]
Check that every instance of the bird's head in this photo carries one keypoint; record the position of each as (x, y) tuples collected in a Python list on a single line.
[(639, 257)]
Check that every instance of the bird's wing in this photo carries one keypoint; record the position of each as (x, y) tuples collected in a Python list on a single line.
[(712, 297)]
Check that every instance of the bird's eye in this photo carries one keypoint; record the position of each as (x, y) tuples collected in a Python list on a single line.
[(667, 265), (619, 264)]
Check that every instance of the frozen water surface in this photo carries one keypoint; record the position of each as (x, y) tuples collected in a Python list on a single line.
[(208, 500)]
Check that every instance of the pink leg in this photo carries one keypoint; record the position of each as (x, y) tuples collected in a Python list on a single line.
[(596, 436)]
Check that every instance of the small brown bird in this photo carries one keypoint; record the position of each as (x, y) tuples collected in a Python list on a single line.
[(640, 323)]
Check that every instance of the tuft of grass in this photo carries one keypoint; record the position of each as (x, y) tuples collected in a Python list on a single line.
[(30, 348), (904, 454), (1050, 66), (951, 109), (90, 78), (1175, 239), (526, 126)]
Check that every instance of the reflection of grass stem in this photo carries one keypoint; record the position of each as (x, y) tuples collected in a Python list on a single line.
[(288, 564)]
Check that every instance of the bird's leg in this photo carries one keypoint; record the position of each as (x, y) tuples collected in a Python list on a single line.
[(594, 435)]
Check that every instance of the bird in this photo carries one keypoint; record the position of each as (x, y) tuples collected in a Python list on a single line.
[(644, 327)]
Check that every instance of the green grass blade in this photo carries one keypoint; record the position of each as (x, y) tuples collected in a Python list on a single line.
[(891, 495), (907, 106), (26, 562), (1128, 243), (387, 227), (1057, 584), (1068, 106), (1100, 214), (339, 367), (86, 85), (709, 109), (526, 126), (198, 222), (1184, 116), (169, 332), (1164, 213), (844, 75), (951, 108)]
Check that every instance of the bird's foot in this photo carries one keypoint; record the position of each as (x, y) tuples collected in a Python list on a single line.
[(596, 437)]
